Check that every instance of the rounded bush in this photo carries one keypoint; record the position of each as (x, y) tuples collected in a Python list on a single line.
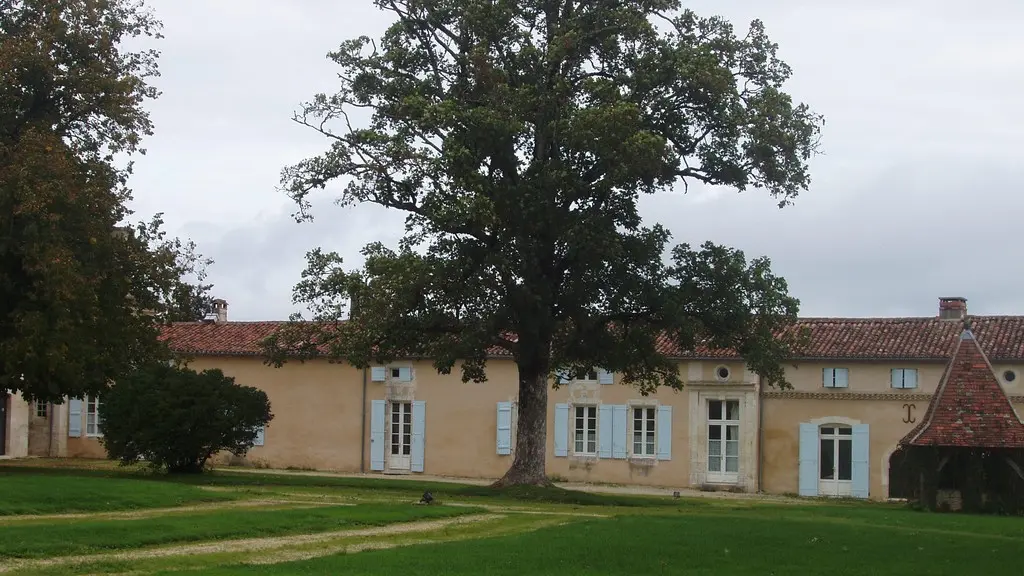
[(175, 418)]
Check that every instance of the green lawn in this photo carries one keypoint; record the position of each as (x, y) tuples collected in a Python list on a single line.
[(391, 487), (530, 531), (690, 545), (46, 493), (40, 540)]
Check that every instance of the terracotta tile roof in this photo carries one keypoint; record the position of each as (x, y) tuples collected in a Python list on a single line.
[(970, 408), (218, 339), (829, 338), (908, 338)]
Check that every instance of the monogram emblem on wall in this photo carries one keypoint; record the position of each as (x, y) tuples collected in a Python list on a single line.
[(909, 418)]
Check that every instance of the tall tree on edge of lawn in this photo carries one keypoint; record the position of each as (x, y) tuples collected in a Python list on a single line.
[(518, 136), (81, 294)]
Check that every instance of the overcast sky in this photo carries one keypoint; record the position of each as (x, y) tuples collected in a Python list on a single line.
[(917, 195)]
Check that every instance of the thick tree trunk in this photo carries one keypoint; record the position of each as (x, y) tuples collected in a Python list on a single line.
[(528, 468)]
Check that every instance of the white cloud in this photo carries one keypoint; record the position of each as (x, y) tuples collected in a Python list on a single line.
[(914, 198)]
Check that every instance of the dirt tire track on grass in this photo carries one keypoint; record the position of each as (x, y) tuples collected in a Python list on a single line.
[(282, 556), (153, 512), (248, 544)]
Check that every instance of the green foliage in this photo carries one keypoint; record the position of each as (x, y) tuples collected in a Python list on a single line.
[(176, 418), (81, 293), (518, 136)]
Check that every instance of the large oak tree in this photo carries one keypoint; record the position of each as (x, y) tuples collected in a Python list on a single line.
[(518, 136), (81, 293)]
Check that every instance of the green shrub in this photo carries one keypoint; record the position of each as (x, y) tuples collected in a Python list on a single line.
[(176, 418)]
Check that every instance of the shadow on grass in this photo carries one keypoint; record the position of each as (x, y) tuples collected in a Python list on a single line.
[(414, 488)]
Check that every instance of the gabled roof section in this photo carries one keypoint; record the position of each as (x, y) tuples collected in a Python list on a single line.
[(929, 339), (969, 408)]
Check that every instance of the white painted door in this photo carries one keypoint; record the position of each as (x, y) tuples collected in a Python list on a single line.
[(723, 441), (835, 461), (400, 453)]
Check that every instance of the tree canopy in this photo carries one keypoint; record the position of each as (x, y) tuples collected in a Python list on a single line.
[(82, 292), (518, 136)]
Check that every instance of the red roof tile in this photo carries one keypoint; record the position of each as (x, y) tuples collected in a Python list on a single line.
[(218, 339), (829, 338), (970, 408)]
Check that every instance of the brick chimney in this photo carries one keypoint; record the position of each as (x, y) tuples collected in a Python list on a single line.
[(952, 308), (220, 308)]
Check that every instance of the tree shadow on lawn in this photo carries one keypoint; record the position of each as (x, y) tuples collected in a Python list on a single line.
[(413, 488)]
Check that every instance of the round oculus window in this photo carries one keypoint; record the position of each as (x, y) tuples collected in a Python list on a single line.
[(1009, 375), (722, 372)]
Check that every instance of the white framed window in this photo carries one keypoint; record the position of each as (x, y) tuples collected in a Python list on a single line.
[(40, 409), (904, 378), (585, 430), (835, 460), (644, 430), (595, 376), (391, 374), (723, 440), (835, 377), (92, 416)]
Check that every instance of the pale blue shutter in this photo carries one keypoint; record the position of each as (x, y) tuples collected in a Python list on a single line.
[(620, 435), (860, 472), (827, 377), (419, 414), (896, 377), (258, 441), (504, 428), (842, 377), (910, 378), (808, 466), (561, 429), (377, 410), (664, 433), (405, 374), (604, 431), (378, 374), (605, 377), (563, 376), (75, 418)]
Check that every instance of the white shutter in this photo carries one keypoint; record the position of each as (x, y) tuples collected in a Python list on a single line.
[(504, 428), (75, 418), (377, 409), (419, 415)]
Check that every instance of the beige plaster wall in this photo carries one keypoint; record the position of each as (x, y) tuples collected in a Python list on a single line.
[(460, 432), (316, 407), (782, 418), (17, 426), (865, 376)]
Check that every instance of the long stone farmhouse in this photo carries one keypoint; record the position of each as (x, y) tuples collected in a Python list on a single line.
[(859, 387)]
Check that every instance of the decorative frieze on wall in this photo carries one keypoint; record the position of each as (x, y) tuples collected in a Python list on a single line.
[(794, 395)]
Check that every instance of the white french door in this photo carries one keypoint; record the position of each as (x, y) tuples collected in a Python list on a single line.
[(835, 461), (400, 454), (723, 441)]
